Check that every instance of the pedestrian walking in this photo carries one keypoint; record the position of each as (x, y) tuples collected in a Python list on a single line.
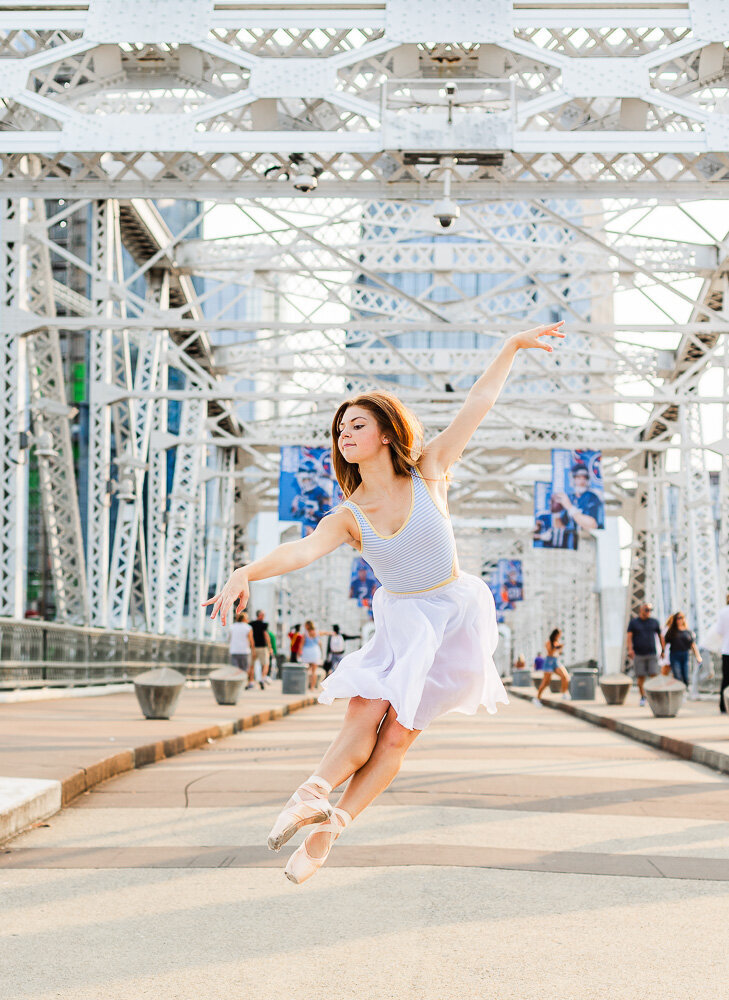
[(296, 640), (435, 627), (553, 647), (311, 653), (335, 649), (643, 633), (680, 641), (241, 642), (262, 649), (721, 626), (273, 668)]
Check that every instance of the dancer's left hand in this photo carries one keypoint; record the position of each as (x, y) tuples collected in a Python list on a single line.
[(531, 338)]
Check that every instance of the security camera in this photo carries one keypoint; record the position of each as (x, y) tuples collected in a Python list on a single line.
[(44, 445), (304, 180), (450, 89), (446, 212)]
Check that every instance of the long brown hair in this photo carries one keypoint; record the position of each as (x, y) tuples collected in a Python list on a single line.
[(394, 419), (672, 623)]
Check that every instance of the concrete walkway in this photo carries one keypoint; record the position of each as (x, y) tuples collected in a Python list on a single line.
[(700, 732), (526, 856), (51, 751)]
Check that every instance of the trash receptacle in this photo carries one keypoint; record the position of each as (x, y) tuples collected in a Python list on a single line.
[(294, 677), (583, 684), (521, 679)]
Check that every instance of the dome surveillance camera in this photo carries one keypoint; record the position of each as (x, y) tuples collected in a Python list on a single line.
[(303, 180), (446, 212), (44, 445)]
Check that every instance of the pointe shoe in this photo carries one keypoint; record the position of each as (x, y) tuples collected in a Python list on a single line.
[(301, 865), (300, 811)]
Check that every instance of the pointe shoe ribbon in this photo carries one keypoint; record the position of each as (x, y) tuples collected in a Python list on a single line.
[(300, 811), (301, 865)]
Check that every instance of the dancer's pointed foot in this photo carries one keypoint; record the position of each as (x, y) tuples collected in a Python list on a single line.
[(308, 804), (311, 855)]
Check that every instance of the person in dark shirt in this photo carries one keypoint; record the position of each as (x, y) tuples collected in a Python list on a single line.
[(642, 633), (261, 648), (680, 641)]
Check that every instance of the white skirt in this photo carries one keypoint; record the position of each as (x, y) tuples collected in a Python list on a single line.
[(430, 654)]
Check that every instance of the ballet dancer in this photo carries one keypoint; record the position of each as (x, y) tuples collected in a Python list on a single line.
[(435, 627)]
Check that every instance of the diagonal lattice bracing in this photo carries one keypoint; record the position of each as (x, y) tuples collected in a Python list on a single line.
[(572, 143)]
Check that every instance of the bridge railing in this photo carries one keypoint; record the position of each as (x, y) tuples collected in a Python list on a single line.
[(45, 654)]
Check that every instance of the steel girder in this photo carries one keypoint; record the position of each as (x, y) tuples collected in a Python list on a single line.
[(42, 417), (541, 115), (13, 375), (116, 102)]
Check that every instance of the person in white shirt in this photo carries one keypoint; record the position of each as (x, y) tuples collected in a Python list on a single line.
[(241, 642), (722, 627)]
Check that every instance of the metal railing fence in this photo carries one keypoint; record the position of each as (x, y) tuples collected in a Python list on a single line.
[(40, 654)]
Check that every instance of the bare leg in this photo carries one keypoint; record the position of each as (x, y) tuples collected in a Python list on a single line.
[(641, 681), (353, 744), (349, 750), (545, 682), (565, 677), (393, 742)]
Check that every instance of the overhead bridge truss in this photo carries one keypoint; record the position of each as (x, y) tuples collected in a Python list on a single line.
[(304, 145)]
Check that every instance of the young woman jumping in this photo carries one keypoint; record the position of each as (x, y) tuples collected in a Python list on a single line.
[(435, 627)]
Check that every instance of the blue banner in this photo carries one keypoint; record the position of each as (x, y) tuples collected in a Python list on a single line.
[(490, 576), (578, 495), (307, 489), (362, 583), (511, 582), (550, 530)]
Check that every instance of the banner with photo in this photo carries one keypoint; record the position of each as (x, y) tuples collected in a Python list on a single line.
[(550, 532), (578, 494), (511, 582), (491, 577), (307, 489), (362, 583)]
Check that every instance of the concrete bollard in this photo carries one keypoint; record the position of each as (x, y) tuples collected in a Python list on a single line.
[(521, 679), (157, 692), (226, 683), (295, 677), (665, 696), (615, 688)]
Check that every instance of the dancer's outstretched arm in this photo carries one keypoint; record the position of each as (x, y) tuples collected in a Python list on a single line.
[(330, 533), (447, 447)]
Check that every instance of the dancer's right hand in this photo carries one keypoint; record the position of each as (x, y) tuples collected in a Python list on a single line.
[(236, 589)]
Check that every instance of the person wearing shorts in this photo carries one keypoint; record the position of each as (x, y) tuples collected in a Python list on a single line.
[(241, 642), (642, 633)]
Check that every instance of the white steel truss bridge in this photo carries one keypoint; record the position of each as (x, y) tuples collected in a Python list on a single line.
[(231, 213)]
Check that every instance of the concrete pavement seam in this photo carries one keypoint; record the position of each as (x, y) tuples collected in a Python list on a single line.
[(19, 812), (714, 759)]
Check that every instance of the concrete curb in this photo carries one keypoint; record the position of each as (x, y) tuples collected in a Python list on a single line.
[(714, 759), (24, 801)]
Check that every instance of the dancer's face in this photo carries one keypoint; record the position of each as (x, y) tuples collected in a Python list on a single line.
[(360, 439)]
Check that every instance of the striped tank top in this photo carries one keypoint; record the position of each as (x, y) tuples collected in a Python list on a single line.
[(421, 555)]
